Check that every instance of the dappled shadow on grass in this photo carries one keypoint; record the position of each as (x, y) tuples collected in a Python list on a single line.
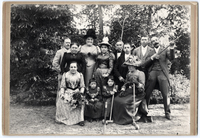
[(41, 120)]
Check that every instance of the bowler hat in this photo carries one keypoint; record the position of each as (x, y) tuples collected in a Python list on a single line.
[(90, 33)]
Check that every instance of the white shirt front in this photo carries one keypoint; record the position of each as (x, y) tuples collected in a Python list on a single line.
[(126, 56), (118, 55), (144, 50), (157, 49)]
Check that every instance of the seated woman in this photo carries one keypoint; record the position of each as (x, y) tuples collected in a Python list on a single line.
[(123, 104), (74, 55), (94, 105), (104, 65), (72, 86)]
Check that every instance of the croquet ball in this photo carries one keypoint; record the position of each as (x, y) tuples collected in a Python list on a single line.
[(137, 127)]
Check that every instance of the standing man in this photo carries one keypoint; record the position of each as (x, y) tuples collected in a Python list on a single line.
[(142, 52), (118, 50), (159, 73), (120, 71), (58, 59)]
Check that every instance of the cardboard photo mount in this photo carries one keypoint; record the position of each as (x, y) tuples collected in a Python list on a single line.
[(193, 53)]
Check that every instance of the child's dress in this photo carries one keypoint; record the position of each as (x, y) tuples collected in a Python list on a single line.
[(107, 97), (94, 106)]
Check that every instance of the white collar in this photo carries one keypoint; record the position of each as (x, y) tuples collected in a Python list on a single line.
[(157, 49), (144, 47)]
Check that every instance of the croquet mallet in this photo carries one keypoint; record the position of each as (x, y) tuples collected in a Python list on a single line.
[(111, 109), (104, 122)]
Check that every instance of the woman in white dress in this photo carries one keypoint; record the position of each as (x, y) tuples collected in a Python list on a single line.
[(90, 53), (72, 82)]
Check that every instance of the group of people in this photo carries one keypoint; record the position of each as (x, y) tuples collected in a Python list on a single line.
[(105, 73)]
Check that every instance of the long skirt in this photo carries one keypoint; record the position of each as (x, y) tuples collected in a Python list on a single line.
[(65, 113), (89, 73), (94, 110), (123, 107), (98, 74)]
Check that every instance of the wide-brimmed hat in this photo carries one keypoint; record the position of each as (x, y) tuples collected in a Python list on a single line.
[(132, 61), (90, 33), (105, 42)]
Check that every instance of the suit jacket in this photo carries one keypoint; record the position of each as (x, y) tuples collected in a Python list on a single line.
[(69, 57), (115, 53), (164, 58), (58, 58), (138, 52), (120, 70)]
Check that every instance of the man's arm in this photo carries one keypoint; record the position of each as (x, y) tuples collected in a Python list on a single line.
[(170, 52), (63, 62), (56, 62)]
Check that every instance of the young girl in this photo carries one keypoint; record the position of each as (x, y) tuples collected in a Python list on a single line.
[(108, 90), (94, 106)]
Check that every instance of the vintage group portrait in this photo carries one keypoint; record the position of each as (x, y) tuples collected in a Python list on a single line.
[(100, 68)]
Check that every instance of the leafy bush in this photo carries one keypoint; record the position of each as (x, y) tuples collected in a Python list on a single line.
[(179, 94)]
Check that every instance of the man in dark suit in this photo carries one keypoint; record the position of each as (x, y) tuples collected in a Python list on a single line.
[(118, 49), (142, 51), (159, 73), (120, 71)]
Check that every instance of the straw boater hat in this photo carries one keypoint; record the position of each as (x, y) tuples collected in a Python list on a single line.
[(91, 33), (105, 42), (132, 61)]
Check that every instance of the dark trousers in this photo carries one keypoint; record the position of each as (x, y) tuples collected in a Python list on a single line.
[(158, 77)]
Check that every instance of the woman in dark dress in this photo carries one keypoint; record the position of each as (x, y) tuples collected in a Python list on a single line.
[(104, 63), (74, 55), (123, 104)]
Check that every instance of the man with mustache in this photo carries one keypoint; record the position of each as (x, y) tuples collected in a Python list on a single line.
[(159, 73), (58, 59), (142, 52)]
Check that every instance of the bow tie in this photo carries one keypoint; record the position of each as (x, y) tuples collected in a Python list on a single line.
[(119, 51)]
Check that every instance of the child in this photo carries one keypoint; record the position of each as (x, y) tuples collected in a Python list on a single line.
[(108, 90), (94, 106)]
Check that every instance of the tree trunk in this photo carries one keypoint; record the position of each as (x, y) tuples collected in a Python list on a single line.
[(123, 27), (149, 19), (100, 22)]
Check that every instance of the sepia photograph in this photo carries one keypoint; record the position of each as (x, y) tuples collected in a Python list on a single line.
[(100, 68)]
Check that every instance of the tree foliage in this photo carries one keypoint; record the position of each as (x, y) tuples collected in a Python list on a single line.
[(168, 22), (36, 34)]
